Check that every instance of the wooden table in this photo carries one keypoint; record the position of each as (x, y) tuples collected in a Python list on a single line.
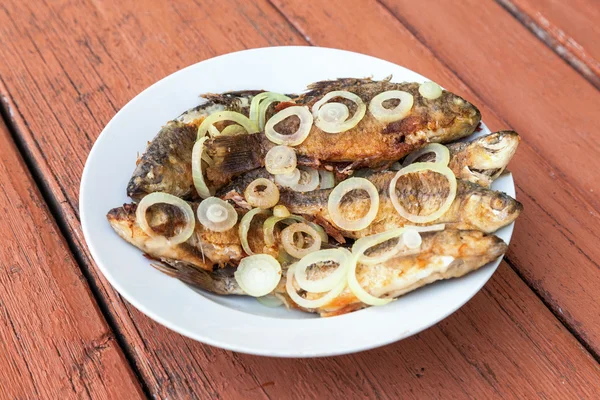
[(67, 66)]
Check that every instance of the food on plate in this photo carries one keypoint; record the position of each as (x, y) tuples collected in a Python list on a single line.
[(353, 128), (346, 196)]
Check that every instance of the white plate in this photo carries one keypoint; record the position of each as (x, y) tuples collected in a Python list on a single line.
[(242, 324)]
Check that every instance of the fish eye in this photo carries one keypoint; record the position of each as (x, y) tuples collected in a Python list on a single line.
[(498, 203)]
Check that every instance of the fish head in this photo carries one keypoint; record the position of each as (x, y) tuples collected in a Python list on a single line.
[(490, 154), (489, 210)]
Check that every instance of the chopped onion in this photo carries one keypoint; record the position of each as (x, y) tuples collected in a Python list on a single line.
[(265, 198), (270, 300), (160, 197), (391, 114), (335, 198), (327, 179), (260, 104), (288, 180), (287, 239), (280, 160), (294, 139), (258, 275), (333, 117), (281, 211), (415, 168), (340, 256), (269, 227), (310, 304), (245, 227), (216, 214), (236, 117), (197, 175), (430, 90), (442, 154)]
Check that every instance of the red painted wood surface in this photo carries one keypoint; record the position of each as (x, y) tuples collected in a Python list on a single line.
[(68, 66)]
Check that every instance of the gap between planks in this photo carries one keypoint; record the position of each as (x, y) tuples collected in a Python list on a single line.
[(576, 61), (6, 113)]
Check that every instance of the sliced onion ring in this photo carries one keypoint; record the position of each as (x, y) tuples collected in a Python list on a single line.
[(442, 154), (269, 227), (327, 179), (197, 175), (330, 119), (160, 197), (266, 198), (236, 117), (288, 180), (358, 290), (394, 114), (294, 139), (216, 214), (311, 304), (309, 185), (340, 256), (430, 90), (231, 130), (245, 227), (287, 240), (280, 160), (258, 275), (260, 103), (418, 167), (336, 195)]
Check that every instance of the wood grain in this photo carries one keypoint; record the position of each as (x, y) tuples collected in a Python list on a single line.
[(55, 342), (554, 245), (71, 65), (569, 28)]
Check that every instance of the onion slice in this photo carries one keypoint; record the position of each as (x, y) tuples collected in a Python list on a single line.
[(281, 211), (260, 104), (335, 198), (340, 256), (358, 290), (289, 179), (265, 198), (269, 227), (231, 130), (216, 214), (287, 240), (160, 197), (309, 180), (245, 227), (391, 114), (327, 179), (197, 175), (270, 300), (294, 139), (311, 304), (280, 160), (415, 168), (236, 117), (258, 275), (430, 90), (442, 154), (333, 117)]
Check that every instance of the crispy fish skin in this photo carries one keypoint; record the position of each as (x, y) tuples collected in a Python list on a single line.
[(483, 159), (372, 143), (442, 255), (205, 249), (166, 165), (474, 207)]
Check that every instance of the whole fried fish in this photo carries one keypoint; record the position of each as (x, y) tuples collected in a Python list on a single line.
[(166, 165), (442, 255), (371, 143), (205, 249)]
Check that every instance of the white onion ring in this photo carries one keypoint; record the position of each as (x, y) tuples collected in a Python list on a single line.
[(269, 227), (259, 105), (418, 167), (311, 184), (430, 90), (232, 130), (358, 290), (340, 256), (442, 154), (306, 121), (288, 180), (327, 179), (245, 227), (394, 114), (310, 304), (263, 199), (216, 214), (236, 117), (258, 275), (287, 240), (280, 160), (336, 195), (330, 124), (160, 197), (197, 175)]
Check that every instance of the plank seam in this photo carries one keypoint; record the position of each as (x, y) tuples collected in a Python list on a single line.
[(62, 224)]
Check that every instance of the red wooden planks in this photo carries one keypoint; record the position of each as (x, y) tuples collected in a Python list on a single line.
[(55, 342), (569, 28)]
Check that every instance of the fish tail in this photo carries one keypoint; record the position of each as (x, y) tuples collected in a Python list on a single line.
[(234, 155), (215, 282)]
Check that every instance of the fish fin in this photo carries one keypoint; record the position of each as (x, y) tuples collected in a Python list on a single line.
[(234, 155), (218, 282)]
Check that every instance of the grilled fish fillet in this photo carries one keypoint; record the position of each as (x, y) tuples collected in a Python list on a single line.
[(371, 143)]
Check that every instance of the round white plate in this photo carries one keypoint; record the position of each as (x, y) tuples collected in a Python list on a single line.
[(243, 324)]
